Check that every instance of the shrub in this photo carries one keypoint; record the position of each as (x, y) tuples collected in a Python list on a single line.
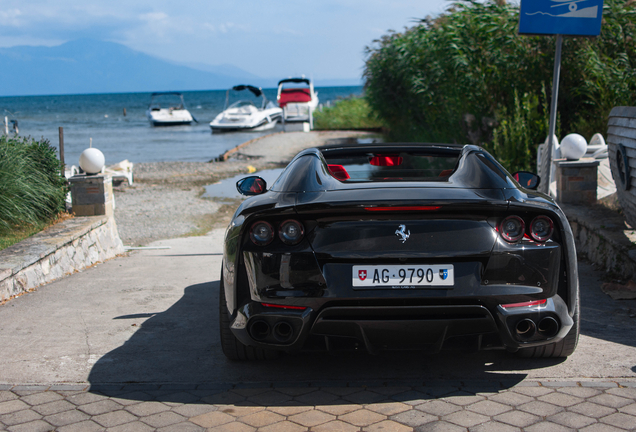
[(32, 190), (458, 77)]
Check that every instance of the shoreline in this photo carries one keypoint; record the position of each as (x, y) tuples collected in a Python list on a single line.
[(228, 154), (165, 200)]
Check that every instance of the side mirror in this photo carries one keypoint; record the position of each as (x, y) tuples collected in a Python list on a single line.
[(252, 185), (527, 179)]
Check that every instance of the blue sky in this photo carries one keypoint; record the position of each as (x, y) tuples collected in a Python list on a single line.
[(269, 38)]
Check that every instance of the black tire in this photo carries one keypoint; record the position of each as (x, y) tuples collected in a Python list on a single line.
[(563, 348), (232, 347)]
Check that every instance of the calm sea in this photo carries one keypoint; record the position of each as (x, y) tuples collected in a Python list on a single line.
[(101, 117)]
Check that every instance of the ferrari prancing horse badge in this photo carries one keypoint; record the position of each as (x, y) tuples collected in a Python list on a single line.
[(402, 233)]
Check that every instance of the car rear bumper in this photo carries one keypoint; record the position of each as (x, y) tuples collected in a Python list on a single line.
[(429, 328)]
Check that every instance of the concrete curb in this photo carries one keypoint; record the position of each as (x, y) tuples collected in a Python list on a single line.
[(224, 386), (58, 251)]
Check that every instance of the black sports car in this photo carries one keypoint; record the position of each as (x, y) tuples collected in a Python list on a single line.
[(398, 246)]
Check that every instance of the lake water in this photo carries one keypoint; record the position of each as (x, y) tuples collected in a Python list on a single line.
[(101, 117)]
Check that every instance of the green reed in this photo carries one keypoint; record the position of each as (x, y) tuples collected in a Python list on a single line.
[(347, 114), (32, 189)]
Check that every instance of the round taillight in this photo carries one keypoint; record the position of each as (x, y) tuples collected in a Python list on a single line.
[(291, 232), (262, 233), (512, 228), (541, 228)]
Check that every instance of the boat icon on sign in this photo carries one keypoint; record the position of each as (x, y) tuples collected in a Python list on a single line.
[(573, 10)]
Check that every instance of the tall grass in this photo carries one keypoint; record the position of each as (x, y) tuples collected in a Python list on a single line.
[(513, 142), (348, 113), (32, 189)]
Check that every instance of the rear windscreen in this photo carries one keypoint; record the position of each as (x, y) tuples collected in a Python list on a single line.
[(391, 166)]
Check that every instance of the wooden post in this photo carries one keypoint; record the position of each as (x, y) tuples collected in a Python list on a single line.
[(61, 132)]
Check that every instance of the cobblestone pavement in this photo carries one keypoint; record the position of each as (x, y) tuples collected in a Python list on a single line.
[(329, 406)]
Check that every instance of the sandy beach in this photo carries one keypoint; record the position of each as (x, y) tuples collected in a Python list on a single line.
[(166, 200)]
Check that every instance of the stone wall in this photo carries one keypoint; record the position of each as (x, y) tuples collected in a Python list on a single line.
[(602, 237), (621, 142), (61, 250)]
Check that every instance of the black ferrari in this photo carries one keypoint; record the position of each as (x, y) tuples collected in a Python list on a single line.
[(398, 247)]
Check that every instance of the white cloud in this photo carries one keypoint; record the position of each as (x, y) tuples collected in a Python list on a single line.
[(10, 17), (154, 16), (267, 38), (223, 28)]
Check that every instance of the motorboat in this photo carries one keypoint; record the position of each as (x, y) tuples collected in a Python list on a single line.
[(172, 113), (244, 115), (298, 99)]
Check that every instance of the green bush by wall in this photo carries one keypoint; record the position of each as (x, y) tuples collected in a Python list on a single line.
[(32, 189)]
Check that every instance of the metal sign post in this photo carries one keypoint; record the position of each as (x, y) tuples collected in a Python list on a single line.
[(558, 17), (545, 185)]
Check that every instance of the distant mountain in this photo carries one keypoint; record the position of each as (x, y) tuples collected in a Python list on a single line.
[(227, 70), (248, 78), (338, 82), (270, 82), (91, 66)]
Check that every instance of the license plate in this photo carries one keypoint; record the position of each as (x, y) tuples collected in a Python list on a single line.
[(403, 276)]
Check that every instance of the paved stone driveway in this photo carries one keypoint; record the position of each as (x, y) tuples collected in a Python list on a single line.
[(540, 406), (152, 324)]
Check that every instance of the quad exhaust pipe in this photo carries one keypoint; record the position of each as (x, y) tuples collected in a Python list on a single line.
[(281, 332), (526, 328), (548, 327), (260, 330)]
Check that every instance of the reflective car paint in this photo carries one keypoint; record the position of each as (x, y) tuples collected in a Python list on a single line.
[(316, 273)]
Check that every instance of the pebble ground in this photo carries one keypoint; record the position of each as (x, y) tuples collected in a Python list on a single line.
[(165, 200)]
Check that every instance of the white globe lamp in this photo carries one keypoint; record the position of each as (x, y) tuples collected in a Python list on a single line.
[(92, 161), (573, 147)]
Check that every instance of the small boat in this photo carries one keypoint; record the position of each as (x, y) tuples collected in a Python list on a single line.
[(244, 115), (297, 98), (174, 112)]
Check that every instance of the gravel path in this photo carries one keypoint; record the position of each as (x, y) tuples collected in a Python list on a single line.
[(165, 199)]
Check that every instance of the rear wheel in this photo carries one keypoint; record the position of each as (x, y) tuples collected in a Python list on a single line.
[(563, 348), (232, 347)]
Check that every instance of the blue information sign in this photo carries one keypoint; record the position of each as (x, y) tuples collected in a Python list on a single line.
[(565, 17)]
